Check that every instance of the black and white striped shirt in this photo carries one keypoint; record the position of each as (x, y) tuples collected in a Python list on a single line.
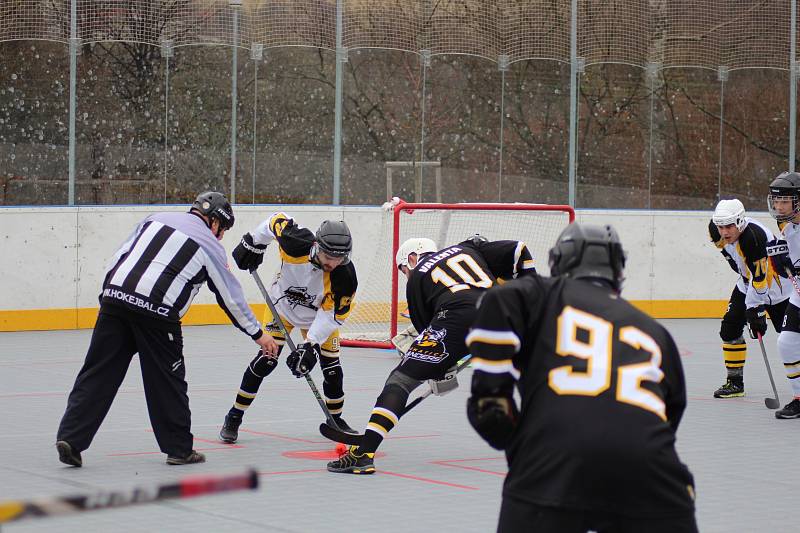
[(162, 265)]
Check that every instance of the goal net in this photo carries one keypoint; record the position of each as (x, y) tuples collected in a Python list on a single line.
[(381, 308)]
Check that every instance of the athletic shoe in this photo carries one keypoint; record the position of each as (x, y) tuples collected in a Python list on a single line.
[(731, 389), (792, 410), (193, 457), (352, 463), (230, 429), (67, 454)]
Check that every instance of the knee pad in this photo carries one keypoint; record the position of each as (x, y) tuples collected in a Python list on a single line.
[(731, 333), (262, 366), (333, 377), (402, 381), (789, 346)]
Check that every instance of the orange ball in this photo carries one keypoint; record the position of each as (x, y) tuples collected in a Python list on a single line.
[(341, 448)]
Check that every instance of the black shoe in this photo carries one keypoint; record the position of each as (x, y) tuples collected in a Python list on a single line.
[(350, 463), (67, 454), (193, 457), (230, 429), (344, 426), (792, 410), (731, 389)]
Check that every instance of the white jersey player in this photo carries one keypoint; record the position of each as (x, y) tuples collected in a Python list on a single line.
[(313, 291), (759, 289), (784, 206)]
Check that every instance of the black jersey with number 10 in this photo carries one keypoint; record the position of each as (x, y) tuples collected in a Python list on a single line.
[(449, 275)]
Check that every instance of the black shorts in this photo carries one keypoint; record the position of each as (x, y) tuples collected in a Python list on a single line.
[(791, 319), (441, 344), (735, 318), (519, 517)]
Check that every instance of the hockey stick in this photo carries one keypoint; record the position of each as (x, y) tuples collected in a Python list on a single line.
[(185, 488), (350, 438), (328, 416), (771, 403)]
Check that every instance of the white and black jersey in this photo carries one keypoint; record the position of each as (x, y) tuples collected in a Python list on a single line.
[(748, 257), (304, 294), (162, 265)]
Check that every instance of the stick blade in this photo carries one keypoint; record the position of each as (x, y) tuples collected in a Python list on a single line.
[(772, 403), (337, 435)]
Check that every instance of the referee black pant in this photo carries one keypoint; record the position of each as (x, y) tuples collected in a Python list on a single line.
[(118, 335)]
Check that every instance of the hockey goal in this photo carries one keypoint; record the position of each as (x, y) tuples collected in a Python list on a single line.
[(380, 300)]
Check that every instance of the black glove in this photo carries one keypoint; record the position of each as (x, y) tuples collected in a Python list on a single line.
[(303, 359), (494, 418), (756, 321), (247, 254), (778, 252)]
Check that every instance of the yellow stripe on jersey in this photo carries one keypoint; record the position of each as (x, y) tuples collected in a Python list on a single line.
[(277, 223), (327, 301), (503, 366), (528, 264), (487, 336), (293, 260)]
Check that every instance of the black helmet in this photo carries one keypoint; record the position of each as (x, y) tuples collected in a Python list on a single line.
[(785, 187), (333, 238), (214, 205), (588, 251)]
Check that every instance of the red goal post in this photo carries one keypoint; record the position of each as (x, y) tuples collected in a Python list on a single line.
[(380, 300)]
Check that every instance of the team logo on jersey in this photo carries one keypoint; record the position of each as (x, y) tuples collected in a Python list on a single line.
[(429, 346), (299, 296)]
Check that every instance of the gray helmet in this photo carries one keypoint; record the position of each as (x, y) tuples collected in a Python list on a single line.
[(588, 251), (785, 187), (333, 238), (214, 205)]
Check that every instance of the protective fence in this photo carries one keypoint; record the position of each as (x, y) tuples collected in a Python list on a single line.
[(609, 104)]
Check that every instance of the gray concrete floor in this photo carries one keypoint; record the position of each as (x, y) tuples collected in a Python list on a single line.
[(434, 474)]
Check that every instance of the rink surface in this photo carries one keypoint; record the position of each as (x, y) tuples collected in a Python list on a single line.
[(434, 473)]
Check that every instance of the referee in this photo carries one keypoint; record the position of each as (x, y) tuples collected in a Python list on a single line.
[(148, 287)]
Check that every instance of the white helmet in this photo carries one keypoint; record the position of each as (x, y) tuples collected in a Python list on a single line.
[(729, 212), (418, 245)]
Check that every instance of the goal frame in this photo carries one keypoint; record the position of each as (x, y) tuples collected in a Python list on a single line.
[(409, 207)]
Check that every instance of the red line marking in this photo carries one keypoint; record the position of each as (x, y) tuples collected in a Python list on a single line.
[(228, 447), (474, 468), (283, 437), (198, 439), (291, 472), (470, 460), (726, 400), (427, 480)]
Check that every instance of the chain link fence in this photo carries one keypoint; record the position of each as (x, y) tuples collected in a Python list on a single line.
[(675, 103)]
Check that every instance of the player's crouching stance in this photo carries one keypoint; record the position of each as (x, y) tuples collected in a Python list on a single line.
[(602, 390), (784, 206), (443, 288), (759, 290), (314, 291)]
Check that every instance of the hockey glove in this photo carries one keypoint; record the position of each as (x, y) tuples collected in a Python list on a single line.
[(303, 359), (778, 252), (756, 321), (247, 254), (494, 418)]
